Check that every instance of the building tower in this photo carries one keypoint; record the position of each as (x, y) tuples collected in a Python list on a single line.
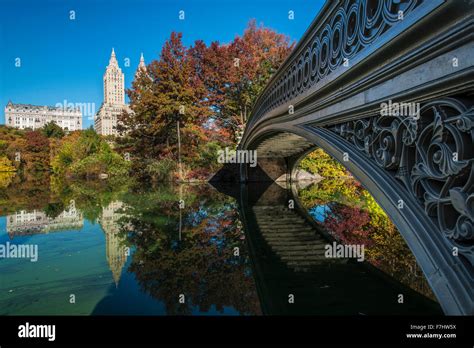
[(114, 99), (114, 83), (141, 66)]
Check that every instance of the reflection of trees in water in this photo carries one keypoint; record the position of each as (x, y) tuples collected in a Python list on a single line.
[(25, 192), (52, 195), (354, 217), (201, 265), (90, 196), (54, 209)]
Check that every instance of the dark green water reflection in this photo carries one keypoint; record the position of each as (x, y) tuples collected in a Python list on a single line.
[(127, 249)]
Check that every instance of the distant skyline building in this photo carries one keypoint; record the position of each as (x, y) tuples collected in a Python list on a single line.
[(114, 82), (27, 116), (105, 122)]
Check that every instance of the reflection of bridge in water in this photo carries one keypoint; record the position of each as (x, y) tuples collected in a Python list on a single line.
[(356, 56), (288, 257)]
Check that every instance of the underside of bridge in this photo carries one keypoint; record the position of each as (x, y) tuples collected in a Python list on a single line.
[(288, 256), (277, 156), (358, 57)]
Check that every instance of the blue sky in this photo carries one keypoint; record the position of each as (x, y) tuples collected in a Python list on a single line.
[(63, 59)]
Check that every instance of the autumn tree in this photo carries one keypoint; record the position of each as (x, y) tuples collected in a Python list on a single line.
[(204, 94), (235, 74), (259, 53), (167, 94), (36, 154), (86, 154)]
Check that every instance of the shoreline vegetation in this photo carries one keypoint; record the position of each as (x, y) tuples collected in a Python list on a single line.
[(85, 155)]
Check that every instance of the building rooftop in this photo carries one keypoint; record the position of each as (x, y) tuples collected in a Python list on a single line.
[(39, 107)]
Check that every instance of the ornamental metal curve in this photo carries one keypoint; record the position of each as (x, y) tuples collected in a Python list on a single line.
[(355, 25), (433, 155)]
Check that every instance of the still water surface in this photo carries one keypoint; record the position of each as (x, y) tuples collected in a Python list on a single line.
[(129, 250)]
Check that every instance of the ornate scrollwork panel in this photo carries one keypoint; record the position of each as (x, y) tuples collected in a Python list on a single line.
[(353, 26), (432, 153)]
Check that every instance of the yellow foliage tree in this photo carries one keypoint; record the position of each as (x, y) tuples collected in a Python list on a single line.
[(6, 165)]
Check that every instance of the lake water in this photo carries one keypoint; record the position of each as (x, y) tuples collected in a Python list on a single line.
[(125, 249)]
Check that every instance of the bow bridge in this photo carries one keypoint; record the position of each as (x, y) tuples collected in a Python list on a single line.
[(357, 57)]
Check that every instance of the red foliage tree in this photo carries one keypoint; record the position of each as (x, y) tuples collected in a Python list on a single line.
[(350, 225), (209, 90)]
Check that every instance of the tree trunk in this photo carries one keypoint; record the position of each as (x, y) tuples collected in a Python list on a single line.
[(179, 152)]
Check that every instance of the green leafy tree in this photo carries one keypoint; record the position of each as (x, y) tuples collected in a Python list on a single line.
[(319, 162), (52, 130), (86, 154)]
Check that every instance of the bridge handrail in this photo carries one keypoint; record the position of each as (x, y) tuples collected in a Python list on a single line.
[(341, 31)]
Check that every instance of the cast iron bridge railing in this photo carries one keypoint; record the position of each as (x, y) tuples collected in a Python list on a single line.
[(354, 57)]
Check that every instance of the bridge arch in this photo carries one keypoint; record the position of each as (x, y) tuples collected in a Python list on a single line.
[(355, 57), (448, 270)]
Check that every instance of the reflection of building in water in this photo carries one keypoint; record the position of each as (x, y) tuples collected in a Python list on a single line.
[(114, 248), (25, 223)]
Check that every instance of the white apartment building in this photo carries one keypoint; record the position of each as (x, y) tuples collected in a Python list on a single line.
[(25, 116)]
